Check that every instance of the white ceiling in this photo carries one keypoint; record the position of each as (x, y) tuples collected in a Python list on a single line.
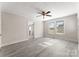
[(30, 9)]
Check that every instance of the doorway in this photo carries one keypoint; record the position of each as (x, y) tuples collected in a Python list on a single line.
[(31, 31)]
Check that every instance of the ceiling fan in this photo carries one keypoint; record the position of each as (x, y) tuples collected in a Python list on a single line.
[(44, 13)]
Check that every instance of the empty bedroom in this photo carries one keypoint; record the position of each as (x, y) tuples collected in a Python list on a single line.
[(39, 29)]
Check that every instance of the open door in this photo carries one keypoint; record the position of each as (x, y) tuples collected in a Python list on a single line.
[(31, 31)]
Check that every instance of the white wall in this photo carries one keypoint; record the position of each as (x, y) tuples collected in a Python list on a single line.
[(0, 26), (70, 28), (38, 29), (14, 28), (77, 7)]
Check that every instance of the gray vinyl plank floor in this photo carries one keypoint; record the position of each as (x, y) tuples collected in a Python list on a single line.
[(42, 47)]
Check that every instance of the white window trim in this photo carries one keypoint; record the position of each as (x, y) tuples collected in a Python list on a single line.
[(56, 28)]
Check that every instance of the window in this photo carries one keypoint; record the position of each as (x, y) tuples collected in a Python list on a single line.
[(59, 26), (56, 27), (51, 27)]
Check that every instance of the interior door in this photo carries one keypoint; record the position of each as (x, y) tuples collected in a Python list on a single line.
[(31, 31)]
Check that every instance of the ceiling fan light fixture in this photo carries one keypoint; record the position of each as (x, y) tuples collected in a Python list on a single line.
[(44, 13)]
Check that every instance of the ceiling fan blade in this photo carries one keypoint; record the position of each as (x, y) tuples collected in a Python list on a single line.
[(49, 15), (48, 12)]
